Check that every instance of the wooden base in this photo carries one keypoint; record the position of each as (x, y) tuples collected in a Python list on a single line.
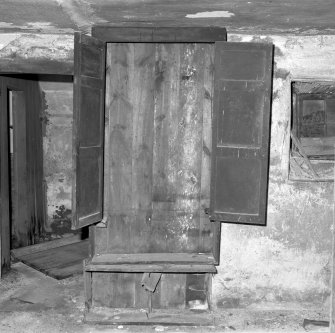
[(108, 316)]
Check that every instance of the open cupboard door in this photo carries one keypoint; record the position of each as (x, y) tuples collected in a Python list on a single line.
[(241, 132), (88, 130)]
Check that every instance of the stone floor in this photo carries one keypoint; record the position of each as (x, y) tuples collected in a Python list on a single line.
[(31, 302)]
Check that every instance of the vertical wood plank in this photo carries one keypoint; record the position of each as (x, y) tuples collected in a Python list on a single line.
[(40, 203), (206, 227), (21, 233), (332, 296), (142, 85), (37, 214), (131, 111), (180, 90), (4, 185), (120, 112), (167, 96), (190, 149)]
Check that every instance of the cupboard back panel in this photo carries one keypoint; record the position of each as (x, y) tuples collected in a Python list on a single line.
[(158, 147)]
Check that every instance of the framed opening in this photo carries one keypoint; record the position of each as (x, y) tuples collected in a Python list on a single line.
[(312, 131)]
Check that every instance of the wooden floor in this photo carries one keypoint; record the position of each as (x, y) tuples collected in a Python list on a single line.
[(59, 262)]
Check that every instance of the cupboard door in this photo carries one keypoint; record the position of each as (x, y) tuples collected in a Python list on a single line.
[(88, 130), (241, 132)]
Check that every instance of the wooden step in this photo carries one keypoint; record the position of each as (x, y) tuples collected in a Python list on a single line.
[(152, 262)]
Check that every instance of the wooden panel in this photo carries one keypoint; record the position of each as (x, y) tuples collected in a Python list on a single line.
[(156, 147), (119, 293), (241, 118), (130, 111), (159, 34), (88, 134), (20, 213), (171, 293), (36, 196)]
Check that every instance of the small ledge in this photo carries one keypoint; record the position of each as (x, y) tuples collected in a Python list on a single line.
[(153, 262)]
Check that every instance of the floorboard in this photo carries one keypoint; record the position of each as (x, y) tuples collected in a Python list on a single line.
[(60, 262)]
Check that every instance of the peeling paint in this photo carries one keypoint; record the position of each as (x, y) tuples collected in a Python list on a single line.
[(221, 13)]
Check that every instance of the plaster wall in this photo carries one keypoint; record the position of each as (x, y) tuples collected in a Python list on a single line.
[(289, 260), (56, 117)]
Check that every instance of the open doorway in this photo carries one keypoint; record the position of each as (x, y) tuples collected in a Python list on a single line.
[(36, 158)]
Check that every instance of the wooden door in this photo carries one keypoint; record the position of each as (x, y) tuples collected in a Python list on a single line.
[(21, 165), (241, 132)]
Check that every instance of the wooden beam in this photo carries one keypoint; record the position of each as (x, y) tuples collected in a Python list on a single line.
[(159, 34)]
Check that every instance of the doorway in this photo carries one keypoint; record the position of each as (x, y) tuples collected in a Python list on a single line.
[(25, 206)]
